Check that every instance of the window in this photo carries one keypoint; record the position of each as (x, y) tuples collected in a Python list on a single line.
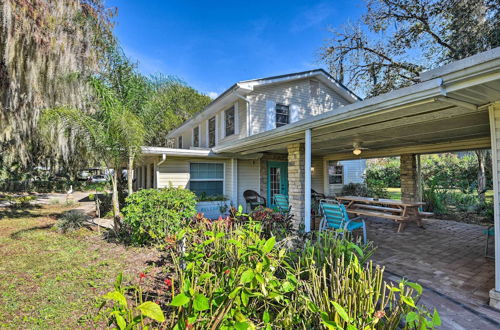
[(211, 132), (282, 115), (335, 173), (229, 121), (207, 179), (179, 144), (196, 136), (152, 177)]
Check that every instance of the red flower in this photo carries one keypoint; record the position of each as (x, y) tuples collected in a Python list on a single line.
[(227, 271), (168, 282), (142, 275), (220, 218), (189, 325)]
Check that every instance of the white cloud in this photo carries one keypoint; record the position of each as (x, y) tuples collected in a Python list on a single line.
[(213, 95), (312, 16)]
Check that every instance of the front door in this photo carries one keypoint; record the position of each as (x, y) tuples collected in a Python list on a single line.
[(277, 180)]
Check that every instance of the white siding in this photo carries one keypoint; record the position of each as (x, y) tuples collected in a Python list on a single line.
[(317, 175), (248, 178), (296, 94)]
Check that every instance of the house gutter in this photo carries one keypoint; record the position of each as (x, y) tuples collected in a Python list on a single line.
[(248, 109)]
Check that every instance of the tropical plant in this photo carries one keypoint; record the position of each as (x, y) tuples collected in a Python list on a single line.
[(151, 215), (72, 220)]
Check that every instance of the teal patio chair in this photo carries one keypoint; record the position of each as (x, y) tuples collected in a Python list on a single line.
[(281, 202), (335, 217)]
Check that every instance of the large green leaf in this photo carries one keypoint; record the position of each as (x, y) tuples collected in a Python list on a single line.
[(268, 246), (341, 311), (152, 310), (179, 300), (247, 276), (116, 296), (200, 302)]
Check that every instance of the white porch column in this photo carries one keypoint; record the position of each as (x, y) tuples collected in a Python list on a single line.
[(307, 180), (234, 173), (494, 112)]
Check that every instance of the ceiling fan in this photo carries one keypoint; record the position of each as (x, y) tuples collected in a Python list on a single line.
[(357, 148)]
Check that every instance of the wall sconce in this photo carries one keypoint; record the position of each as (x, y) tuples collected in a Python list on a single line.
[(312, 170)]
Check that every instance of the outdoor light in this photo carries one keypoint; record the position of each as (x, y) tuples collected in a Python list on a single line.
[(357, 151)]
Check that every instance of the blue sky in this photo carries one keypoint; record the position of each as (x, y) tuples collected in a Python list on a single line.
[(213, 44)]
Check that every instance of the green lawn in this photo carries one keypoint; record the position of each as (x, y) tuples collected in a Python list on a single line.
[(50, 280), (395, 193)]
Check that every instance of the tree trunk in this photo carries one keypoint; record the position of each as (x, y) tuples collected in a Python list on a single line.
[(130, 174), (481, 173), (116, 204)]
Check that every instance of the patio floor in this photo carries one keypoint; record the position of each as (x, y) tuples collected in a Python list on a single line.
[(447, 259)]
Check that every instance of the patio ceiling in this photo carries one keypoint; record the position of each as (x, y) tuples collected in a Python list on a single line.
[(447, 112)]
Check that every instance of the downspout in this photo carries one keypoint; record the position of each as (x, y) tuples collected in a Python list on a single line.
[(164, 158), (248, 110)]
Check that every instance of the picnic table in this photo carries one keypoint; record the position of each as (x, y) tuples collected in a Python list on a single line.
[(396, 210)]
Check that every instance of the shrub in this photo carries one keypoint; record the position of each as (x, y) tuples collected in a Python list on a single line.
[(71, 220), (355, 189), (228, 276), (151, 215), (20, 202), (273, 223), (386, 170)]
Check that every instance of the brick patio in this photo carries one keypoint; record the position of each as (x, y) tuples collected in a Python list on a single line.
[(448, 259)]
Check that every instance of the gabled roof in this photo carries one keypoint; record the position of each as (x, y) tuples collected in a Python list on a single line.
[(245, 87)]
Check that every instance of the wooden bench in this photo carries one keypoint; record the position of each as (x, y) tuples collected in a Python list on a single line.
[(425, 214), (377, 208), (398, 218)]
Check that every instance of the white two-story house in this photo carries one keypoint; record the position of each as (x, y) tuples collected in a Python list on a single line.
[(249, 108)]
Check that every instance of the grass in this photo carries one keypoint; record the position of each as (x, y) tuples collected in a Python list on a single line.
[(51, 280), (395, 193)]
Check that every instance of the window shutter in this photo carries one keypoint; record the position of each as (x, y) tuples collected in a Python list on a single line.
[(236, 119), (270, 115), (294, 113)]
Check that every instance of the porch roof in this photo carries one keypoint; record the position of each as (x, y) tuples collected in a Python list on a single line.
[(446, 111)]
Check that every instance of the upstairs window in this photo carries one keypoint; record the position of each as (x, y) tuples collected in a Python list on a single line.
[(179, 143), (206, 179), (196, 136), (282, 115), (229, 121), (211, 132)]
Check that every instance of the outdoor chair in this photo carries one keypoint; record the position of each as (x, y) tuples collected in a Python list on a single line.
[(490, 231), (281, 202), (253, 199), (335, 217)]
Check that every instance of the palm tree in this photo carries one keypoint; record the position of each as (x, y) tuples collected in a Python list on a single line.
[(112, 131)]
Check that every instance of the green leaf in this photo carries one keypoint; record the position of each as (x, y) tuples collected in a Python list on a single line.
[(312, 307), (205, 276), (200, 302), (120, 321), (242, 325), (152, 310), (341, 311), (259, 278), (415, 286), (436, 320), (118, 282), (116, 296), (247, 276), (268, 246), (411, 317), (234, 292), (408, 300), (179, 300), (244, 298), (266, 317), (288, 286)]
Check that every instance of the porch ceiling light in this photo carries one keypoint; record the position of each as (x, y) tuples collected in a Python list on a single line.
[(357, 151)]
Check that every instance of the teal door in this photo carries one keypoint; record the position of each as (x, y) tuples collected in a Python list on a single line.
[(277, 180)]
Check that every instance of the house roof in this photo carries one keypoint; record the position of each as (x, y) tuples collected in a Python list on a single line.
[(244, 87), (448, 105)]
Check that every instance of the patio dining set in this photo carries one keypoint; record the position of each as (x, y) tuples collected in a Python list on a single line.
[(335, 211)]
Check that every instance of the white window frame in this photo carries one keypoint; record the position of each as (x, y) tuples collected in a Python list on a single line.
[(210, 162), (208, 131), (341, 175), (199, 136), (276, 114), (235, 124)]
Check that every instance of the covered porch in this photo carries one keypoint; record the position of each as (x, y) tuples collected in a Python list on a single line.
[(454, 108)]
